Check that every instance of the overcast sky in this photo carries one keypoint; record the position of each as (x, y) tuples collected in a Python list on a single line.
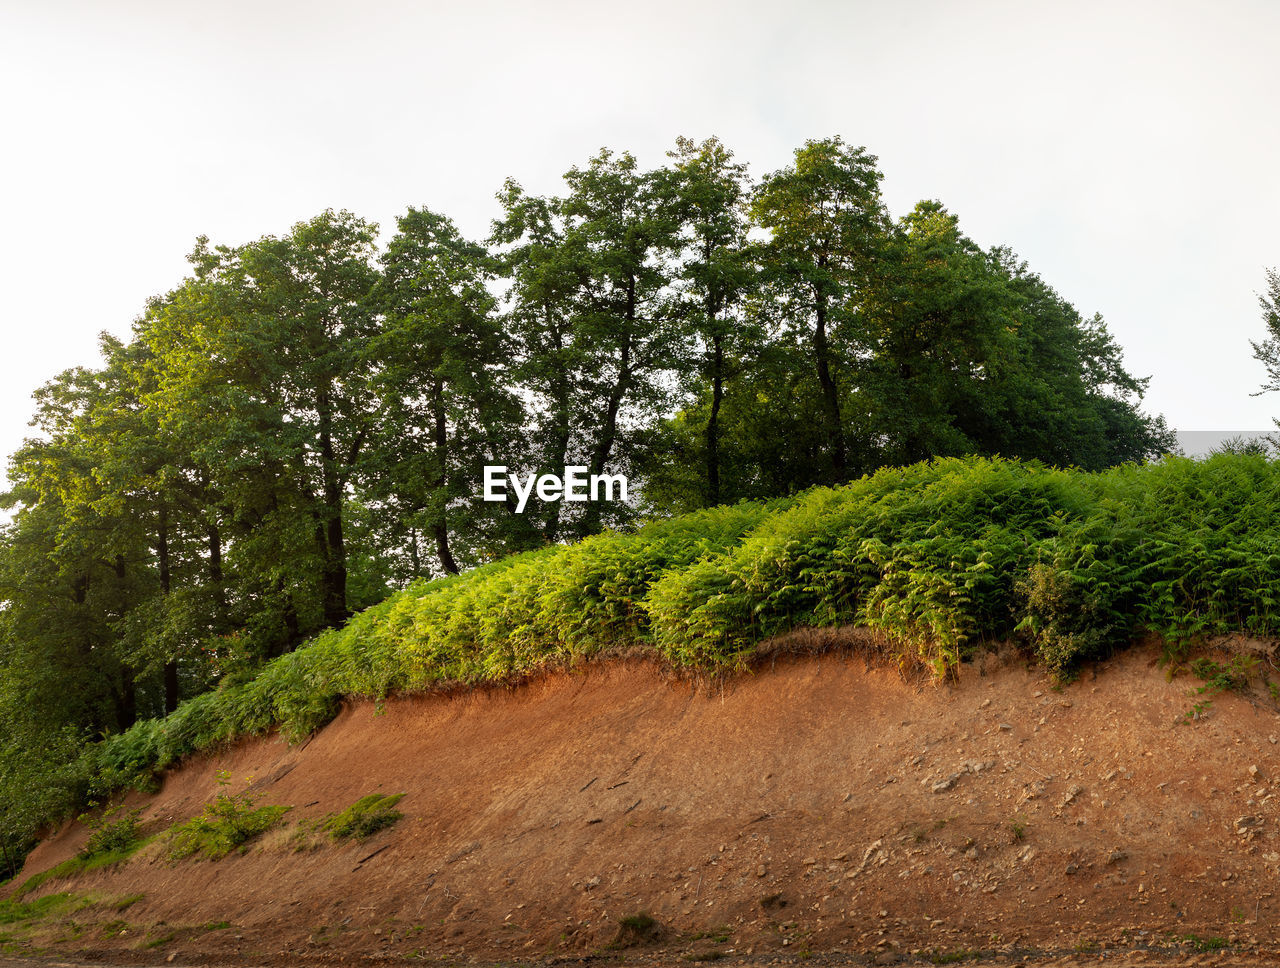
[(1128, 152)]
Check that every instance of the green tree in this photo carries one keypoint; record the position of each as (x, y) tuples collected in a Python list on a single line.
[(708, 192), (826, 223), (445, 410), (594, 313), (1267, 351), (263, 365)]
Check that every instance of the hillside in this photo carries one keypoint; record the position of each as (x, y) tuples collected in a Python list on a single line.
[(935, 562), (822, 804)]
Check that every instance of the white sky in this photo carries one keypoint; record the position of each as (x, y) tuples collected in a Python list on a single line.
[(1127, 151)]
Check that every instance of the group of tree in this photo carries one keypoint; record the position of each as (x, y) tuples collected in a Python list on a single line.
[(301, 424)]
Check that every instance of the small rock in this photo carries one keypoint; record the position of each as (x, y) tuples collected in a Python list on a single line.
[(1005, 727), (594, 882), (1071, 869), (761, 871), (1074, 792), (944, 785), (810, 860), (1253, 772), (984, 704)]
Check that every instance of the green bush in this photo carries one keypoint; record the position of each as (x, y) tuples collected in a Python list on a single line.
[(112, 836), (226, 824), (364, 818)]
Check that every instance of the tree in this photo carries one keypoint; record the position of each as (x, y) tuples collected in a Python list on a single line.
[(445, 411), (593, 310), (1267, 352), (826, 222), (263, 366), (708, 193)]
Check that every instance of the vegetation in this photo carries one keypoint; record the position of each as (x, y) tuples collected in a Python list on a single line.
[(111, 836), (935, 559), (364, 818), (226, 824), (295, 435)]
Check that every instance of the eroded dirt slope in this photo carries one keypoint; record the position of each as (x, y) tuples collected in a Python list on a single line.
[(823, 804)]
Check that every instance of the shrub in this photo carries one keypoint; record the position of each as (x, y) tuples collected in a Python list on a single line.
[(111, 836), (364, 818), (226, 824)]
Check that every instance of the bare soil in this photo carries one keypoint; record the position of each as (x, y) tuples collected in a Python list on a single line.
[(821, 810)]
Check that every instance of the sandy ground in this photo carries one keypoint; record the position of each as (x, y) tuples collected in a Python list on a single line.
[(819, 811)]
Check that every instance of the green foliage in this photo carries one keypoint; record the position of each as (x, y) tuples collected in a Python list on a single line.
[(16, 912), (1203, 943), (111, 836), (226, 824), (1232, 676), (299, 427), (364, 818)]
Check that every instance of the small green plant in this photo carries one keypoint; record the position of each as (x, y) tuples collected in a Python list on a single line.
[(1233, 676), (1199, 943), (127, 902), (954, 957), (1199, 710), (364, 818), (157, 941), (111, 836), (1017, 830), (636, 929), (227, 824)]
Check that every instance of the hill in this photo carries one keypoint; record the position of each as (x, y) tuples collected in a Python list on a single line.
[(823, 804)]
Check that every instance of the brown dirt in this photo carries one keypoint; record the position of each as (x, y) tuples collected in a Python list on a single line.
[(823, 805)]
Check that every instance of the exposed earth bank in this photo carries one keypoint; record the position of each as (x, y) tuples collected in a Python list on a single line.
[(821, 806)]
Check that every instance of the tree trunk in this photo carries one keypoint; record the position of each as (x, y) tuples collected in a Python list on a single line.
[(440, 526), (333, 578), (713, 421), (830, 396), (166, 584), (560, 435), (609, 431)]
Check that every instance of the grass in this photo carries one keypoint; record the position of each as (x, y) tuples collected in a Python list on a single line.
[(111, 842), (636, 929), (19, 912), (954, 957), (1199, 943), (364, 818)]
